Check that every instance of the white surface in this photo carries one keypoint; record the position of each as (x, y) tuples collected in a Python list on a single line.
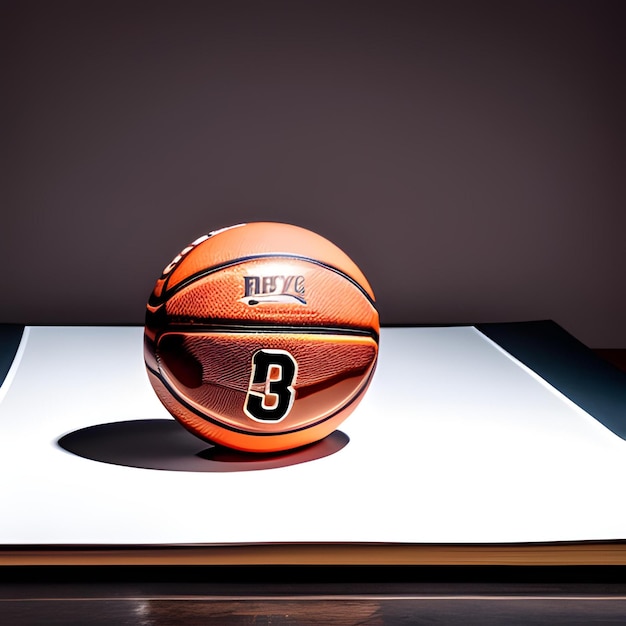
[(454, 442)]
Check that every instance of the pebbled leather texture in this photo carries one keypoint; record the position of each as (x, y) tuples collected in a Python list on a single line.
[(264, 238), (330, 370), (330, 298)]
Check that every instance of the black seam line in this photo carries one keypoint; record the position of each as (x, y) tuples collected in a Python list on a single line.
[(250, 327), (259, 434), (253, 257)]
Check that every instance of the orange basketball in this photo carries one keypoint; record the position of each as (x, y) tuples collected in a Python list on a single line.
[(261, 337)]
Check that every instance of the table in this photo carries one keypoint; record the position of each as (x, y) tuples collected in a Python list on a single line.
[(525, 403)]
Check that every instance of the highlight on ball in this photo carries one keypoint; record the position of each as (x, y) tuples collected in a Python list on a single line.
[(261, 337)]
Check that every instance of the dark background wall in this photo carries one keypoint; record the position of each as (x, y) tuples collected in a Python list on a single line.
[(470, 156)]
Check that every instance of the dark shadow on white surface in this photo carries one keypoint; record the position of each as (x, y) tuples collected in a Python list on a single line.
[(163, 444), (596, 386)]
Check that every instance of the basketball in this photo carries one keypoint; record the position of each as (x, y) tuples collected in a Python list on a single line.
[(261, 337)]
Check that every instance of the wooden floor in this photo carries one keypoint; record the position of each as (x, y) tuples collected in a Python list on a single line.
[(331, 596), (349, 611)]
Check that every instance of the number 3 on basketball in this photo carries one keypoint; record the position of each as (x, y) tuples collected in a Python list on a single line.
[(277, 370)]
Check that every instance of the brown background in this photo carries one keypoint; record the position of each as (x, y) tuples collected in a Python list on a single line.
[(470, 156)]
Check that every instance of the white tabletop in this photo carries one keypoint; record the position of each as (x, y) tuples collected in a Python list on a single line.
[(455, 442)]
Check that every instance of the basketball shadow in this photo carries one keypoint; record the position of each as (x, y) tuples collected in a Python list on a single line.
[(163, 444)]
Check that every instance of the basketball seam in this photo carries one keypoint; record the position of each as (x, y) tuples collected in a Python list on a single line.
[(253, 327), (166, 292), (219, 424)]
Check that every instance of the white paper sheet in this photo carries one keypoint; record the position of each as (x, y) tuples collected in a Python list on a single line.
[(455, 442)]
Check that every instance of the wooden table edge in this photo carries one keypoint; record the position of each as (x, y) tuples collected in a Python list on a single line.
[(558, 554)]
